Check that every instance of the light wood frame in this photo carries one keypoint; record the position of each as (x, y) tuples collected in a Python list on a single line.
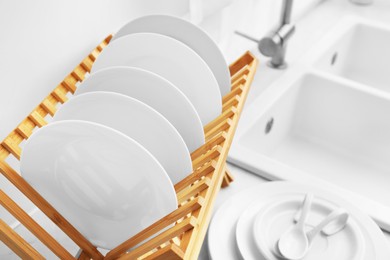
[(196, 193)]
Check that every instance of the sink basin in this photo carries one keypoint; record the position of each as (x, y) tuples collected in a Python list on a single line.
[(322, 128), (325, 121), (361, 54), (330, 130)]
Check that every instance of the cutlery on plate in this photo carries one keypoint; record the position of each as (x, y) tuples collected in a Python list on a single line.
[(334, 222), (330, 229), (294, 246), (294, 243)]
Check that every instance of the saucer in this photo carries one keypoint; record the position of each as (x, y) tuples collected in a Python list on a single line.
[(261, 225), (222, 231)]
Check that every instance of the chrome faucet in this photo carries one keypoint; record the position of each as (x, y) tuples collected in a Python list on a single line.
[(275, 42)]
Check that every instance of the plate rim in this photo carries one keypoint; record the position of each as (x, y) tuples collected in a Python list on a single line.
[(205, 86), (63, 113), (211, 44), (99, 78), (116, 134)]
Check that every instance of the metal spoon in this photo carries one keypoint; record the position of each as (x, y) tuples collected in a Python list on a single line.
[(294, 243)]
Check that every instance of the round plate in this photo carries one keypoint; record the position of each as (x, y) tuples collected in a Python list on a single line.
[(136, 120), (172, 60), (261, 225), (222, 235), (154, 91), (189, 34), (104, 183)]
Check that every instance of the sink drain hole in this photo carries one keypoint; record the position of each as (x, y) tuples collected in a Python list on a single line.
[(268, 126), (334, 59)]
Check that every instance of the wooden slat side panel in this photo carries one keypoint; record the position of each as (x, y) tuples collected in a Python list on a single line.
[(3, 153), (239, 74), (93, 55), (223, 126), (49, 211), (17, 244), (193, 190), (225, 115), (227, 179), (87, 64), (216, 140), (49, 104), (231, 103), (241, 62), (70, 83), (187, 237), (233, 93), (171, 252), (207, 157), (239, 82), (79, 73), (34, 227), (206, 169), (175, 231), (12, 147), (37, 119), (25, 129), (156, 227), (60, 94), (83, 256), (196, 235)]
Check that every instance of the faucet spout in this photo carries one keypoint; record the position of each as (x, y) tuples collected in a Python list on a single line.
[(286, 12), (274, 44)]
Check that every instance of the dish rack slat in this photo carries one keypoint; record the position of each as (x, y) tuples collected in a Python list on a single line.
[(180, 233)]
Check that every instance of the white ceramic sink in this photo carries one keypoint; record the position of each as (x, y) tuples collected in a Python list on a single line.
[(361, 54), (330, 130), (327, 119)]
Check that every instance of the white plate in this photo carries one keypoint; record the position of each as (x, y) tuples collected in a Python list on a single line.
[(222, 235), (136, 120), (154, 91), (104, 183), (189, 34), (172, 60), (261, 225)]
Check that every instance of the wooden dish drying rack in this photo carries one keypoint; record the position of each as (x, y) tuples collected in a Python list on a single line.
[(196, 193)]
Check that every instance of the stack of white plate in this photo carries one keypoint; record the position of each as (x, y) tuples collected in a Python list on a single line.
[(109, 161), (249, 225)]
